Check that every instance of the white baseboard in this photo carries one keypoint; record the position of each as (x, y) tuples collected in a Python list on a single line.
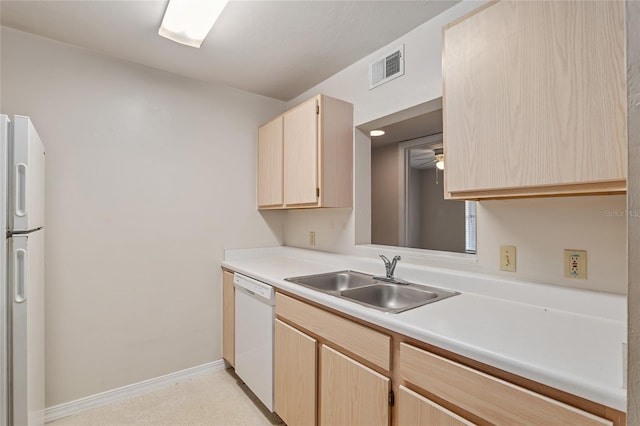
[(73, 407)]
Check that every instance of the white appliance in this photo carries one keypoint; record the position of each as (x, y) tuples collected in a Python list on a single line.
[(255, 313), (21, 273)]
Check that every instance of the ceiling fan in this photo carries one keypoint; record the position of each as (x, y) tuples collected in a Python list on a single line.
[(424, 158)]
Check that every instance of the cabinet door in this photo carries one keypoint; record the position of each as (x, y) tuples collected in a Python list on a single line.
[(350, 393), (270, 163), (535, 99), (494, 400), (294, 376), (415, 409), (228, 318), (301, 154)]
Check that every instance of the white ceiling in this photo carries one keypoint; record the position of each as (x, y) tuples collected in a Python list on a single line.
[(274, 48)]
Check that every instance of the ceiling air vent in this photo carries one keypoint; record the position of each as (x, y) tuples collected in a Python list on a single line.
[(387, 68)]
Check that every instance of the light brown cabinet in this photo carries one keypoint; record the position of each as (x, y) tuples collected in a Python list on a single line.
[(415, 409), (228, 318), (534, 100), (351, 393), (488, 398), (295, 375), (305, 156), (342, 361), (270, 163)]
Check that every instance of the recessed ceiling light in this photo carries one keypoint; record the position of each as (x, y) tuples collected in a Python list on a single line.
[(189, 21), (376, 132)]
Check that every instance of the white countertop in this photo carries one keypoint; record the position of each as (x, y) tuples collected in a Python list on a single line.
[(564, 338)]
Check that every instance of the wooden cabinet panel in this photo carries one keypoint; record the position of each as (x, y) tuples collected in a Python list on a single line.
[(270, 163), (494, 400), (301, 154), (336, 153), (295, 376), (305, 156), (350, 393), (362, 341), (228, 318), (415, 409), (535, 99)]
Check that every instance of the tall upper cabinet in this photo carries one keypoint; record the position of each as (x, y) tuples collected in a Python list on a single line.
[(535, 100), (305, 156)]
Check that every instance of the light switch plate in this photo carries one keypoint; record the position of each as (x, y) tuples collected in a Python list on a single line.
[(575, 264), (508, 258)]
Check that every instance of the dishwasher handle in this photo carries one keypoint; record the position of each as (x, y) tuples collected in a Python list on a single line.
[(259, 290)]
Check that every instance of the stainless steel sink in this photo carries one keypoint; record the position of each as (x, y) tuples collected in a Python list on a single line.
[(371, 292), (334, 281)]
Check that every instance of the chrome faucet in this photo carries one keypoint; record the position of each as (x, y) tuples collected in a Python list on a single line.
[(390, 266)]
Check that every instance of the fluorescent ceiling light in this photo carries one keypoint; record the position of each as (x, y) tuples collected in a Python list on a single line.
[(376, 132), (189, 21)]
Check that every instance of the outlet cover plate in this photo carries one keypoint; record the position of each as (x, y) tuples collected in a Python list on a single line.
[(575, 264), (508, 258)]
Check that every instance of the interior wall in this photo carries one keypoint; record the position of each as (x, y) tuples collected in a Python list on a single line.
[(149, 177), (384, 195), (589, 223), (414, 208), (633, 219), (446, 231)]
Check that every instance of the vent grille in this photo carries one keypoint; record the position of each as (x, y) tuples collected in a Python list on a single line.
[(387, 68)]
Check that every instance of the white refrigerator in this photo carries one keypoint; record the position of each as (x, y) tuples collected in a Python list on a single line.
[(21, 273)]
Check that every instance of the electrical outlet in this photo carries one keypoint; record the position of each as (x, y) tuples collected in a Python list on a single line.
[(508, 258), (575, 264), (312, 238)]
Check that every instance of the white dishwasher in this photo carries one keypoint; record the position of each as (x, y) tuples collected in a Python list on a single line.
[(255, 313)]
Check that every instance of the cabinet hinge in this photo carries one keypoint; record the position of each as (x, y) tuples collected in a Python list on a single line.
[(317, 192), (391, 398)]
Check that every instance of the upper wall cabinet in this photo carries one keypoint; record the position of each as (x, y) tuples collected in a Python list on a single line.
[(305, 156), (535, 100)]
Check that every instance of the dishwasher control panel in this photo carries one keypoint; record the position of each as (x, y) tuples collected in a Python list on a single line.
[(254, 287)]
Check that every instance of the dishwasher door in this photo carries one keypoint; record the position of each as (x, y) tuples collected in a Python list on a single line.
[(255, 313)]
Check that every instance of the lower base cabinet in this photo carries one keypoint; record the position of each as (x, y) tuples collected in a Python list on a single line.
[(295, 361), (351, 393), (485, 397), (228, 318), (415, 409), (333, 371)]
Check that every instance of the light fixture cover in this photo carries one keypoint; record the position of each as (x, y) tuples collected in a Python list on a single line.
[(440, 161), (189, 21), (376, 133)]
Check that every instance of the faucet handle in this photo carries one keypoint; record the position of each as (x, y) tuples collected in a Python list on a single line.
[(384, 259)]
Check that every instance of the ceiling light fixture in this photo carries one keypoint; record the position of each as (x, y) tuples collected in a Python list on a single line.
[(440, 161), (189, 21), (376, 132)]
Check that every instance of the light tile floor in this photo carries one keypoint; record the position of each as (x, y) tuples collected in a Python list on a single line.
[(219, 398)]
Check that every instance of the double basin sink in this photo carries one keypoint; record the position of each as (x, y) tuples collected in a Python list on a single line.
[(374, 292)]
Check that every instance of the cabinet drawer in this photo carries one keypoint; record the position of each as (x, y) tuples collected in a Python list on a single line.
[(415, 409), (362, 341), (487, 397)]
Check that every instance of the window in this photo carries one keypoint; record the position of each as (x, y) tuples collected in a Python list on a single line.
[(470, 226)]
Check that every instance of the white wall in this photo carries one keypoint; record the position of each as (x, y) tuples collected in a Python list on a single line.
[(384, 200), (446, 229), (149, 177), (633, 94), (540, 228)]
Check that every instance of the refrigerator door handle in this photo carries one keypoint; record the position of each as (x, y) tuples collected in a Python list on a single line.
[(21, 189), (20, 275)]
